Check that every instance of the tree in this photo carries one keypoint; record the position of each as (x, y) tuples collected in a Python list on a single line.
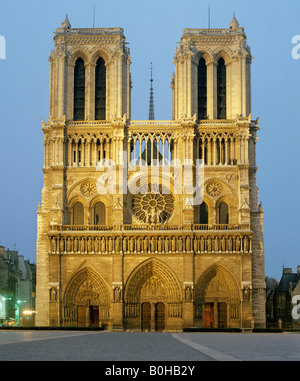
[(271, 284)]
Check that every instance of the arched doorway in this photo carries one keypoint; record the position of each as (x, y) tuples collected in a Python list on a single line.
[(159, 316), (217, 299), (153, 300), (86, 300)]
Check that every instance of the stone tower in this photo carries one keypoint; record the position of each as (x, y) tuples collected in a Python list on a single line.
[(150, 224)]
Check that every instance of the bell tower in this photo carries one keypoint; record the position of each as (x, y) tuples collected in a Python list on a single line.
[(212, 86), (89, 74), (212, 74), (89, 103)]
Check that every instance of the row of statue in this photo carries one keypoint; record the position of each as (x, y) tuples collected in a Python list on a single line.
[(148, 244), (233, 311), (133, 310)]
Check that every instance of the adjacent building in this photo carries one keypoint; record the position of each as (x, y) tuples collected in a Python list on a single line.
[(150, 224), (17, 288), (286, 298)]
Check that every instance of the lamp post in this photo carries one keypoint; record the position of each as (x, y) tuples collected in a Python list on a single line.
[(18, 310)]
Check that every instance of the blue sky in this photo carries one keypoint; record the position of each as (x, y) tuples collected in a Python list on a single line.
[(152, 29)]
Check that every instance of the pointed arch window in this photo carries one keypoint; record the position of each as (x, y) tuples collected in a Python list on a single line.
[(202, 89), (99, 214), (79, 89), (203, 213), (78, 213), (221, 89), (223, 213), (100, 90)]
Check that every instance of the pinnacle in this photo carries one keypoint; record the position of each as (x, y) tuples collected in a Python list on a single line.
[(234, 23), (66, 24)]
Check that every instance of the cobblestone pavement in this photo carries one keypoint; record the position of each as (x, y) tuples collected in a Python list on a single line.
[(138, 346)]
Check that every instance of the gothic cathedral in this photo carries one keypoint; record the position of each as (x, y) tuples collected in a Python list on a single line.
[(150, 224)]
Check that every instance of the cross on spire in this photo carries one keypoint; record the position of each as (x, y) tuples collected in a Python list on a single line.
[(151, 103)]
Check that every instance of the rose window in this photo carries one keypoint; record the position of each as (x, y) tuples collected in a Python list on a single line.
[(154, 204), (214, 188), (88, 188)]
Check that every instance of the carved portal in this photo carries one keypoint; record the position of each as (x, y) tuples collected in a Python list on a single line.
[(152, 282), (85, 290)]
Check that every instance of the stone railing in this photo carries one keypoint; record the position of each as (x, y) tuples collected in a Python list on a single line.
[(90, 31), (88, 123), (153, 123), (212, 32), (147, 227)]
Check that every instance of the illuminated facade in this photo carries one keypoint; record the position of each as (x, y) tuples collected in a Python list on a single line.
[(122, 239)]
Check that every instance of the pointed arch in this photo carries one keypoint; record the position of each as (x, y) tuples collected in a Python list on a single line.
[(99, 213), (78, 213), (228, 193), (221, 89), (224, 53), (86, 287), (152, 269), (222, 281), (100, 89), (223, 213), (202, 89), (205, 53), (79, 89), (86, 300), (203, 213), (98, 52)]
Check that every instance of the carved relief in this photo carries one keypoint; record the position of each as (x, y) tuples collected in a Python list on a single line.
[(88, 188), (214, 188), (86, 294)]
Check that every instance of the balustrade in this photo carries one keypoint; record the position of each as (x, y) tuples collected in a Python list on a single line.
[(149, 227)]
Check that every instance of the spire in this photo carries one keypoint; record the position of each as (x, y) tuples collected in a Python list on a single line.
[(66, 24), (151, 105), (234, 23)]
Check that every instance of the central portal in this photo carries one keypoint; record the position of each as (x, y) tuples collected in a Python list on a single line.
[(153, 316), (152, 297)]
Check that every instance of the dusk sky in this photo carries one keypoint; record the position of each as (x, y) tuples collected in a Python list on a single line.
[(152, 29)]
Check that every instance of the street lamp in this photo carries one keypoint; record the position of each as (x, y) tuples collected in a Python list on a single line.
[(18, 310)]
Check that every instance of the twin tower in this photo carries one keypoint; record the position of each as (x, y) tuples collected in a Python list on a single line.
[(150, 224)]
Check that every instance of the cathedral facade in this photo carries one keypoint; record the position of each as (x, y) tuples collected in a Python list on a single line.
[(150, 224)]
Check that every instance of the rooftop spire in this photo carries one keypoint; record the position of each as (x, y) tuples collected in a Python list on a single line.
[(151, 104), (66, 24), (234, 23)]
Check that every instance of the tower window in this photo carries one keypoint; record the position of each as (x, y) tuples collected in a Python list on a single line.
[(100, 90), (223, 213), (202, 90), (78, 213), (221, 89), (99, 214), (79, 89), (203, 213)]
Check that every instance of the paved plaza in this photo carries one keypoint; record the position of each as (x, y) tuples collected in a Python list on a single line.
[(31, 345)]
